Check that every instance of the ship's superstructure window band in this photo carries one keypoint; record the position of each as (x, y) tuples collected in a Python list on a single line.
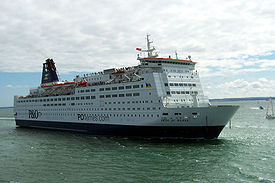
[(112, 88), (181, 84), (82, 97)]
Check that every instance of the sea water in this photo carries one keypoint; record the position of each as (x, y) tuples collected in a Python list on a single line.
[(244, 153)]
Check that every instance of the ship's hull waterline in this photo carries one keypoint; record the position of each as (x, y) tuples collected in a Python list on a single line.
[(190, 132)]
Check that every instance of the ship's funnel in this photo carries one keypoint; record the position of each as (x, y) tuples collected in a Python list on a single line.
[(49, 74)]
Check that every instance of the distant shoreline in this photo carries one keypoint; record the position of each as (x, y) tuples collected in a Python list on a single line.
[(6, 107), (241, 99)]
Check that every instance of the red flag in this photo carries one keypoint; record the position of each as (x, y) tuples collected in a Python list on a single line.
[(138, 49)]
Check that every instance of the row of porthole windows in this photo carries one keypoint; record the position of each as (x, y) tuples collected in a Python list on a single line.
[(120, 95), (181, 84), (116, 102), (112, 88), (169, 76), (96, 109), (110, 115), (164, 62), (81, 98), (179, 71), (183, 100), (181, 92)]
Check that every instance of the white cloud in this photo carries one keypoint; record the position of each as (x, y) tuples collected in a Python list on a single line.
[(242, 88), (224, 37), (92, 35), (16, 86)]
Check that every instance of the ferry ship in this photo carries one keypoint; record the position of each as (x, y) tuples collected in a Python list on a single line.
[(160, 97)]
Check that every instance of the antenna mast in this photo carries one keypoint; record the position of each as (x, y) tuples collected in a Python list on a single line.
[(149, 49)]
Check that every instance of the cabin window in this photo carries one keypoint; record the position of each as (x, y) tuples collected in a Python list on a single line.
[(121, 87), (135, 86), (121, 95), (135, 94), (101, 96), (114, 88), (107, 89), (128, 94), (165, 84), (128, 87), (101, 89)]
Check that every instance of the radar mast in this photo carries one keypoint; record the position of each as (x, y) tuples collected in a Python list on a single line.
[(149, 49)]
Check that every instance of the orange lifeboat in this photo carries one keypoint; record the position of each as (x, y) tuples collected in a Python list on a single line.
[(119, 71), (58, 84)]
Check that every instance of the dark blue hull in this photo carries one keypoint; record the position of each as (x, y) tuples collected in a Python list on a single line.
[(203, 132)]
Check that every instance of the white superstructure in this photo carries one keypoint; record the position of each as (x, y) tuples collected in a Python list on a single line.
[(158, 97)]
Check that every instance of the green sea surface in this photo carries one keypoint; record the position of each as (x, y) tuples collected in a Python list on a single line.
[(244, 153)]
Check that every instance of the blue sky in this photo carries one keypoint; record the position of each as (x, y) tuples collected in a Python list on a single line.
[(232, 41)]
